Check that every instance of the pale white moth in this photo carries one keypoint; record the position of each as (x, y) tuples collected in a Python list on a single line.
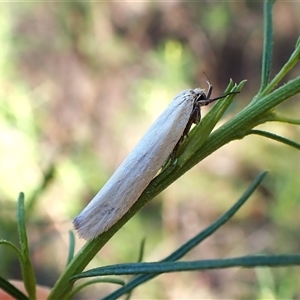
[(159, 143)]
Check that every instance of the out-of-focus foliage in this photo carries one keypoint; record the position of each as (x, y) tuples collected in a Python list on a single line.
[(81, 82)]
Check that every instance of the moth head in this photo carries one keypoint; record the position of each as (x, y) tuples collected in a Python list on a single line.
[(200, 94)]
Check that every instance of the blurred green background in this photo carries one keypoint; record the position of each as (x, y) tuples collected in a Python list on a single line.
[(81, 82)]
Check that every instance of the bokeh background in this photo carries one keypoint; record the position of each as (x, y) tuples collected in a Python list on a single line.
[(80, 83)]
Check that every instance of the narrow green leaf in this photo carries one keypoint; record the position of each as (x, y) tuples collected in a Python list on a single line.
[(268, 44), (272, 116), (276, 137), (12, 247), (142, 249), (283, 119), (71, 247), (12, 290), (292, 61), (94, 281), (249, 261), (298, 43), (26, 266)]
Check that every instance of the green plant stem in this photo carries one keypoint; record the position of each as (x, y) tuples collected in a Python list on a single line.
[(268, 44), (293, 60), (276, 137), (236, 128)]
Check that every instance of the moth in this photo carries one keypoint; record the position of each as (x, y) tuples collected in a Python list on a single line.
[(159, 143)]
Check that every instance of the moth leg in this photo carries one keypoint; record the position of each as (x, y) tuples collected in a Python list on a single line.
[(174, 152), (209, 90), (194, 119)]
